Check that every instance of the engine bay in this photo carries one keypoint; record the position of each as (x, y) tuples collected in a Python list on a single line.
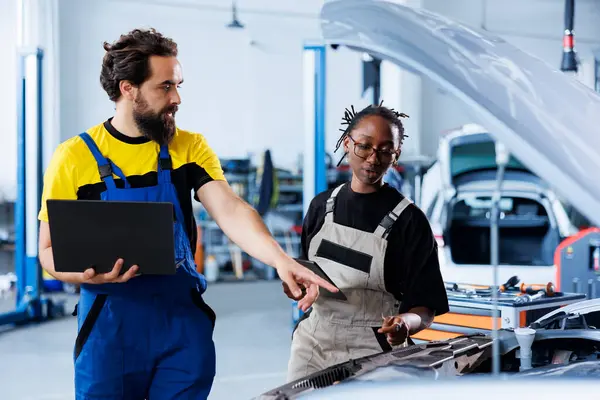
[(565, 342)]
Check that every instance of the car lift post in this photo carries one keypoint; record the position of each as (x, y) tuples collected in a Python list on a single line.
[(29, 303), (314, 168), (315, 174)]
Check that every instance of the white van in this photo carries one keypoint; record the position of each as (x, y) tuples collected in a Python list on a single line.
[(457, 197)]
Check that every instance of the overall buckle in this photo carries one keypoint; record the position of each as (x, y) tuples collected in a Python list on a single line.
[(165, 163), (105, 171), (387, 222)]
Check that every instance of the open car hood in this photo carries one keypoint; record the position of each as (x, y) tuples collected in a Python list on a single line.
[(548, 120)]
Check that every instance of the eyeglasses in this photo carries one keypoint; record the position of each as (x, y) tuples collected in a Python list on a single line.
[(365, 150)]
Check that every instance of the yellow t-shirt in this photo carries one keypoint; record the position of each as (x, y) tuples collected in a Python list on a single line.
[(73, 171)]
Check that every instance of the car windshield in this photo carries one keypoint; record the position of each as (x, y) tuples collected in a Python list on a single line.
[(478, 156)]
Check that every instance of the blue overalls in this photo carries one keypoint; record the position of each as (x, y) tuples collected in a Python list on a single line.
[(151, 337)]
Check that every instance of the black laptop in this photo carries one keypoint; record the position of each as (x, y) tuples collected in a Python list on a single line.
[(88, 233)]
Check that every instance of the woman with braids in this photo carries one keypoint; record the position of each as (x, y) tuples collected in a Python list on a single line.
[(376, 246)]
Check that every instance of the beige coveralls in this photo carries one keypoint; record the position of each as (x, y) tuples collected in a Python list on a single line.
[(338, 330)]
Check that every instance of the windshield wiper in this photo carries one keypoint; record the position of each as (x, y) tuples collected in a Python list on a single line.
[(562, 321)]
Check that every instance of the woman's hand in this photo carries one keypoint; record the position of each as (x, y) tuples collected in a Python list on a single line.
[(396, 329), (306, 298), (300, 283), (399, 327)]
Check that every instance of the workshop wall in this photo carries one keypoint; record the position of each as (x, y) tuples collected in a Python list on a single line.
[(535, 26), (241, 86), (8, 106), (35, 30)]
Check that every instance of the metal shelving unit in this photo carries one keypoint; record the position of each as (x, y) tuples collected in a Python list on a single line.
[(281, 221)]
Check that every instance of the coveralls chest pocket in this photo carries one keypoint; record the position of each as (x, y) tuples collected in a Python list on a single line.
[(342, 257), (353, 259)]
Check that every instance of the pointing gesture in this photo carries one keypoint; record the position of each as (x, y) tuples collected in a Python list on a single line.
[(295, 275)]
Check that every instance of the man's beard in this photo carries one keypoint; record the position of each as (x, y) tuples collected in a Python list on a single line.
[(155, 126)]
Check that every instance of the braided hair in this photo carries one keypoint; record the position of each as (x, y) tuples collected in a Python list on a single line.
[(351, 118)]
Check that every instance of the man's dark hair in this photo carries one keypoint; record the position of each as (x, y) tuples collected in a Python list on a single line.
[(352, 118), (127, 58)]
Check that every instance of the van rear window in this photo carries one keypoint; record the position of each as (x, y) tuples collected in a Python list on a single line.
[(469, 157)]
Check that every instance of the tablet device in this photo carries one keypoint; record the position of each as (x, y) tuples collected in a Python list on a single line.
[(314, 267), (90, 233)]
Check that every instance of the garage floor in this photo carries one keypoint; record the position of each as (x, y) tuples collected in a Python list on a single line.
[(252, 336)]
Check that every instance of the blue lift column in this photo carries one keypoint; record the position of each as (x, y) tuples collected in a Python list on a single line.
[(314, 174), (29, 304)]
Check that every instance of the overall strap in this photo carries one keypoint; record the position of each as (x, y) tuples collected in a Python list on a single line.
[(384, 227), (106, 167), (165, 165), (330, 203)]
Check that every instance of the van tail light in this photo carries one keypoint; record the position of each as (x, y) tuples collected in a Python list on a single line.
[(440, 240)]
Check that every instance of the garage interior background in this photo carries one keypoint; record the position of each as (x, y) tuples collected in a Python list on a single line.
[(245, 85)]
